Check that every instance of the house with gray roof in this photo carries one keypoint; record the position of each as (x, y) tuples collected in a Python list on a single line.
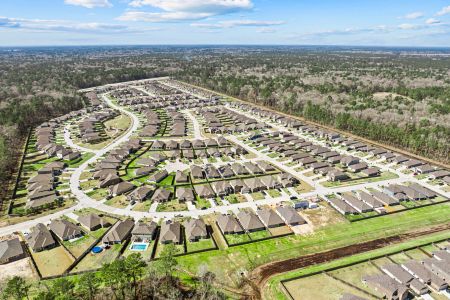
[(161, 195), (11, 250), (204, 191), (121, 188), (140, 194), (290, 216), (250, 221), (222, 188), (195, 229), (40, 238), (65, 230), (269, 217), (185, 194), (158, 177), (119, 232), (93, 222), (228, 224), (144, 231), (170, 233)]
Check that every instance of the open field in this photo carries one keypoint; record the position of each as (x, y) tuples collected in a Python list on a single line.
[(272, 288), (329, 237), (52, 262)]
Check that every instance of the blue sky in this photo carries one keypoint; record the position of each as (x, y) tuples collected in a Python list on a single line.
[(293, 22)]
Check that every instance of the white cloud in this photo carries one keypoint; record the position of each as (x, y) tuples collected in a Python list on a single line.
[(413, 15), (266, 30), (161, 17), (68, 26), (89, 3), (408, 26), (237, 23), (184, 10), (432, 21), (444, 11)]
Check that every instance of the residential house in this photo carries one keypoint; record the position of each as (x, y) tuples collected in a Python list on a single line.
[(40, 238), (269, 218), (250, 221), (11, 250), (170, 233), (228, 224), (144, 231), (65, 230), (119, 232), (195, 229), (290, 216), (93, 222)]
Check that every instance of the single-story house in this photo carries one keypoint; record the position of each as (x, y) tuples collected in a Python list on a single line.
[(119, 232)]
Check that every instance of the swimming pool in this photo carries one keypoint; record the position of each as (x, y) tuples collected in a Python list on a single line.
[(138, 247), (97, 249)]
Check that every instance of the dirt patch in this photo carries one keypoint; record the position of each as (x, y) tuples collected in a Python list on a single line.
[(261, 274), (20, 268)]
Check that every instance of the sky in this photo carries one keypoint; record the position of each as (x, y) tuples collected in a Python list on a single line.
[(415, 23)]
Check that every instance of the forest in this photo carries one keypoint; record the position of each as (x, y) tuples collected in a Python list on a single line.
[(400, 97)]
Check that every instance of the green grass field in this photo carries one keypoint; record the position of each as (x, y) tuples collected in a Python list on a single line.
[(272, 289), (226, 263)]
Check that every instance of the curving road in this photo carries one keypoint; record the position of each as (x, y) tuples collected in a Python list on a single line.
[(85, 201)]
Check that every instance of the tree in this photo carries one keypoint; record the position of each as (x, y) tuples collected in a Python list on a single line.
[(167, 263), (62, 288), (87, 286), (135, 267), (16, 288), (114, 276)]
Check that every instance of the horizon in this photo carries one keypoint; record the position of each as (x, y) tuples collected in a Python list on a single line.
[(225, 22)]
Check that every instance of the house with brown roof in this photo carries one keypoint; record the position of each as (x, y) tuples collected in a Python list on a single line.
[(185, 194), (140, 194), (119, 232), (269, 217), (170, 233), (250, 221), (40, 238), (161, 195), (204, 191), (195, 229), (93, 222), (121, 188), (290, 216), (181, 177), (65, 230), (228, 224), (158, 177)]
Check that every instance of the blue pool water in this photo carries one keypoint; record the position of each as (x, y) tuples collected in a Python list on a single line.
[(97, 249), (139, 247)]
